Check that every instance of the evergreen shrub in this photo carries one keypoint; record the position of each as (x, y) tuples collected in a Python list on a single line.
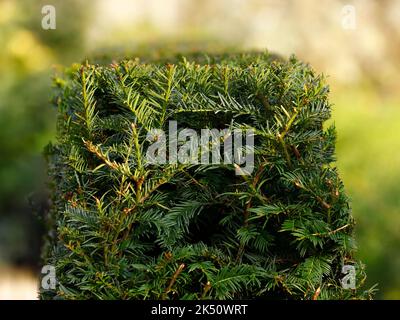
[(121, 228)]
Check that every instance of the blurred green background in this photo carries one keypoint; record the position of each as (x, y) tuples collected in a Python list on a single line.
[(356, 43)]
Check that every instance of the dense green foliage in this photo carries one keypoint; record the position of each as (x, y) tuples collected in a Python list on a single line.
[(123, 229)]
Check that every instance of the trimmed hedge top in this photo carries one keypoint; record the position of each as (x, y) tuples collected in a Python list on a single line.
[(123, 228)]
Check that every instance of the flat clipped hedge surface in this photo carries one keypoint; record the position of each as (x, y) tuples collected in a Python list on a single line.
[(123, 228)]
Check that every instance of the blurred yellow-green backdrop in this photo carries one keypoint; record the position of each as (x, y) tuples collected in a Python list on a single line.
[(355, 42)]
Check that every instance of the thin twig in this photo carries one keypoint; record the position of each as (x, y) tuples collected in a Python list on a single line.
[(173, 280)]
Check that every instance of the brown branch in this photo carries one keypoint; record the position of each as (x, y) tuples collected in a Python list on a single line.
[(316, 294), (173, 280), (207, 288)]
